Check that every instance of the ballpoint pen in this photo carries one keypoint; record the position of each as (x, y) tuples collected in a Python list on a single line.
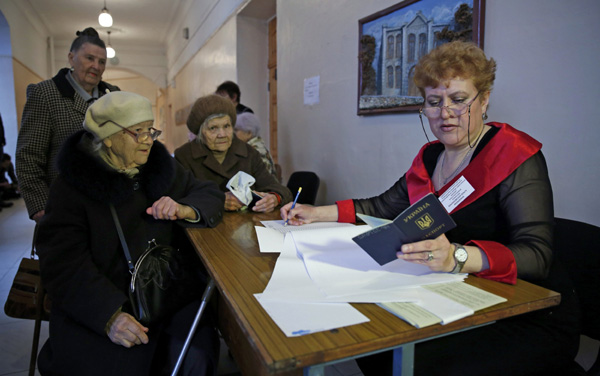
[(293, 205)]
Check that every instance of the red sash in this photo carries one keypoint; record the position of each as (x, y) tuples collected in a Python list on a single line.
[(503, 154)]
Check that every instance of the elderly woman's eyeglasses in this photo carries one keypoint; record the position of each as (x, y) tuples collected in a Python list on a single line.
[(456, 109), (139, 137), (143, 136)]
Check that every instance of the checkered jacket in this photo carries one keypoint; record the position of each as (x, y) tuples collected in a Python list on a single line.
[(52, 113)]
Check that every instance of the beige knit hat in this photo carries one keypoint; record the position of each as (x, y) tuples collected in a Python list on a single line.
[(209, 105), (120, 107)]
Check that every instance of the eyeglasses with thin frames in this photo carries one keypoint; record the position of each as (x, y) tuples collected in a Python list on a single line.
[(139, 137), (456, 109)]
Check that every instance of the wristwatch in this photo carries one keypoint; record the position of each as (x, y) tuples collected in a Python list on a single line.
[(460, 256)]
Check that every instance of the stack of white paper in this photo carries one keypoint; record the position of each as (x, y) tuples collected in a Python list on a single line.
[(320, 271)]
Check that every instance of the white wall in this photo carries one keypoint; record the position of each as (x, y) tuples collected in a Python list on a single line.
[(22, 38), (28, 36), (203, 18), (546, 85), (252, 72)]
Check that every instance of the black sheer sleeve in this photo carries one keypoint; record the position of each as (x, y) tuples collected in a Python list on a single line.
[(525, 199)]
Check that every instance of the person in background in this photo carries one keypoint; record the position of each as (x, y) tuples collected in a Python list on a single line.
[(54, 110), (247, 129), (504, 227), (2, 137), (117, 160), (8, 190), (231, 90), (217, 155), (4, 185)]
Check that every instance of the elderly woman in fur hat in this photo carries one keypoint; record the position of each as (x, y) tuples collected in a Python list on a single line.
[(117, 160), (217, 155)]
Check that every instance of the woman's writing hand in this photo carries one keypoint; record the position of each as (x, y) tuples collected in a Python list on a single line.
[(299, 215), (126, 331), (168, 209), (422, 252), (266, 204), (232, 203)]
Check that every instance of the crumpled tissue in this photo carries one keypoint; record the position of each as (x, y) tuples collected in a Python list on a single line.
[(240, 185)]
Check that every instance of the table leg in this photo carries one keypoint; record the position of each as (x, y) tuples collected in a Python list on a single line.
[(404, 358), (316, 370)]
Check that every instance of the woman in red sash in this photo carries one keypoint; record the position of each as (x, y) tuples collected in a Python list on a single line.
[(499, 194)]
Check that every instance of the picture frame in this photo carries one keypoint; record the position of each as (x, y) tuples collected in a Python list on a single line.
[(392, 40)]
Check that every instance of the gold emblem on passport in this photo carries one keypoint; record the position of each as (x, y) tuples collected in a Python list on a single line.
[(424, 222)]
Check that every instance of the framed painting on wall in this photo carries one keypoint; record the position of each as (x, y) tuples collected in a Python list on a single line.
[(392, 40)]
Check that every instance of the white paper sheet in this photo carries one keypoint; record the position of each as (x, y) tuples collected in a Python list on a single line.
[(278, 225), (339, 267), (299, 318), (269, 240), (270, 237), (326, 266)]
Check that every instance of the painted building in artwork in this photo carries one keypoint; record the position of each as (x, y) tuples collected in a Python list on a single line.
[(401, 48)]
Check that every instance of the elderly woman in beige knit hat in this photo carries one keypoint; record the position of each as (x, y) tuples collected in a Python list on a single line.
[(117, 160), (217, 155)]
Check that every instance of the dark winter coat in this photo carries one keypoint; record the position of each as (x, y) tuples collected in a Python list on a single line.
[(82, 262), (240, 157)]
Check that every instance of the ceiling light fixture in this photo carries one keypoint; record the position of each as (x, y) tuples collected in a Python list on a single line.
[(110, 52), (105, 19)]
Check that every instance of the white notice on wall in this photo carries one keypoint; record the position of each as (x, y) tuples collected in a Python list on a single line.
[(311, 90)]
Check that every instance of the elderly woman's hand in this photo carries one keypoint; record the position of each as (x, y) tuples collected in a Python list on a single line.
[(232, 203), (167, 208), (421, 252), (267, 203), (125, 330)]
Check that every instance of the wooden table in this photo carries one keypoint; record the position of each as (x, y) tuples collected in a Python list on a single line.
[(231, 255)]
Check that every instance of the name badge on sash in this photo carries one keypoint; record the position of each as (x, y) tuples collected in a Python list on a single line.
[(457, 193)]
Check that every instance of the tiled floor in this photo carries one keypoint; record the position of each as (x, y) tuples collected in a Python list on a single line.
[(16, 231)]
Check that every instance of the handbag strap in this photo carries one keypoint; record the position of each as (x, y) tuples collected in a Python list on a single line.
[(122, 238)]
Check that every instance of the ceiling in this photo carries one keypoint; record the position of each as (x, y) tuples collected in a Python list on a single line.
[(135, 22)]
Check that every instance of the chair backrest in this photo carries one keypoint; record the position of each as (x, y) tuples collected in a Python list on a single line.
[(309, 181), (577, 245)]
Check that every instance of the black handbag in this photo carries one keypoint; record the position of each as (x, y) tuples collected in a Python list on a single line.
[(159, 283)]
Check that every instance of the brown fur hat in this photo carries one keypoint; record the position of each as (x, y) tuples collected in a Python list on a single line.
[(209, 105)]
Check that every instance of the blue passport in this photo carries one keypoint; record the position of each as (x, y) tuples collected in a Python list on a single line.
[(425, 219)]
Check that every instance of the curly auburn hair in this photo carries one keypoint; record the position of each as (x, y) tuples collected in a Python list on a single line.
[(455, 59)]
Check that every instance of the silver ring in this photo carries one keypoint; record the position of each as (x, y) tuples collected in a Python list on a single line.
[(429, 256)]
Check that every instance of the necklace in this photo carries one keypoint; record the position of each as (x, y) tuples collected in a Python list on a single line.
[(441, 179)]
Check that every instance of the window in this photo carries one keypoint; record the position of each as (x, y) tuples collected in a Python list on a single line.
[(436, 39), (422, 44), (390, 77), (411, 47), (398, 46), (390, 47), (398, 77)]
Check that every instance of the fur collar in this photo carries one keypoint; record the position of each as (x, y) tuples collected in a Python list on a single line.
[(91, 176)]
